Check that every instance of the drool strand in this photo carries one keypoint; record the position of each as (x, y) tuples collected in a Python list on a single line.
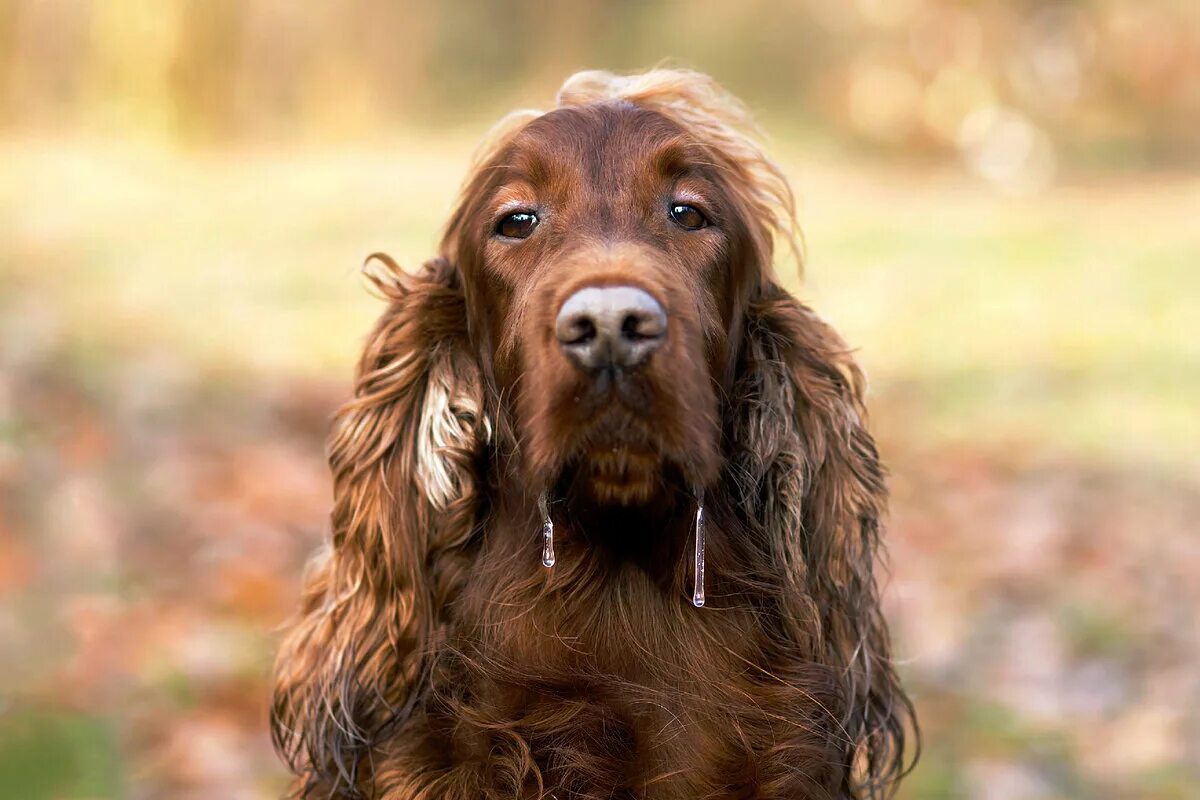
[(698, 589), (547, 531)]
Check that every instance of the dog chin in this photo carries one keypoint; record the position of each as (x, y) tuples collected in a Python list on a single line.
[(615, 475), (622, 475)]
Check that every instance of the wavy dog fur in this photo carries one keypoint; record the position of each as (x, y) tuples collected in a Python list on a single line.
[(434, 658)]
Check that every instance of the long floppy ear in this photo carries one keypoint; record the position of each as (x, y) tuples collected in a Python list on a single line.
[(403, 454), (808, 472)]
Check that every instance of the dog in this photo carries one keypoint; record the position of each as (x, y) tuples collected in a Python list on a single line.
[(606, 507)]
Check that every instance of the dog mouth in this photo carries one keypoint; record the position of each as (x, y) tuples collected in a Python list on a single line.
[(621, 438)]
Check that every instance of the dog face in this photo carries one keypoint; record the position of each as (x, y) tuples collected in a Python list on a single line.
[(604, 257)]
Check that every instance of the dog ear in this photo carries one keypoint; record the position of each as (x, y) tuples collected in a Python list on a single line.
[(808, 474), (403, 455)]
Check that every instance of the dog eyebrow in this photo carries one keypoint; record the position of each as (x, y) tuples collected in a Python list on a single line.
[(512, 197), (676, 155), (690, 190)]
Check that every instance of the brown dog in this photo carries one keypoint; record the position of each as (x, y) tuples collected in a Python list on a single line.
[(600, 351)]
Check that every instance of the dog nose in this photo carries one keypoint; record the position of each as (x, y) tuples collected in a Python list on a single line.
[(618, 326)]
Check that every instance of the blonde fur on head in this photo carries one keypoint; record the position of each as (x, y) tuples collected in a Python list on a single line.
[(710, 115)]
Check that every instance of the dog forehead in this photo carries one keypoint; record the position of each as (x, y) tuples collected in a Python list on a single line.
[(598, 143)]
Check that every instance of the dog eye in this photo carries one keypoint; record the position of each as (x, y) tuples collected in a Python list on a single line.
[(517, 226), (688, 217)]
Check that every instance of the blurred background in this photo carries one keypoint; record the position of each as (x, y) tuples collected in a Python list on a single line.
[(1001, 202)]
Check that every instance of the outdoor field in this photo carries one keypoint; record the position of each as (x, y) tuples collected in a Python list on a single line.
[(176, 331), (180, 317)]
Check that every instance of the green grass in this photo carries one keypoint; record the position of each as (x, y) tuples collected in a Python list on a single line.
[(58, 756), (1069, 318)]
